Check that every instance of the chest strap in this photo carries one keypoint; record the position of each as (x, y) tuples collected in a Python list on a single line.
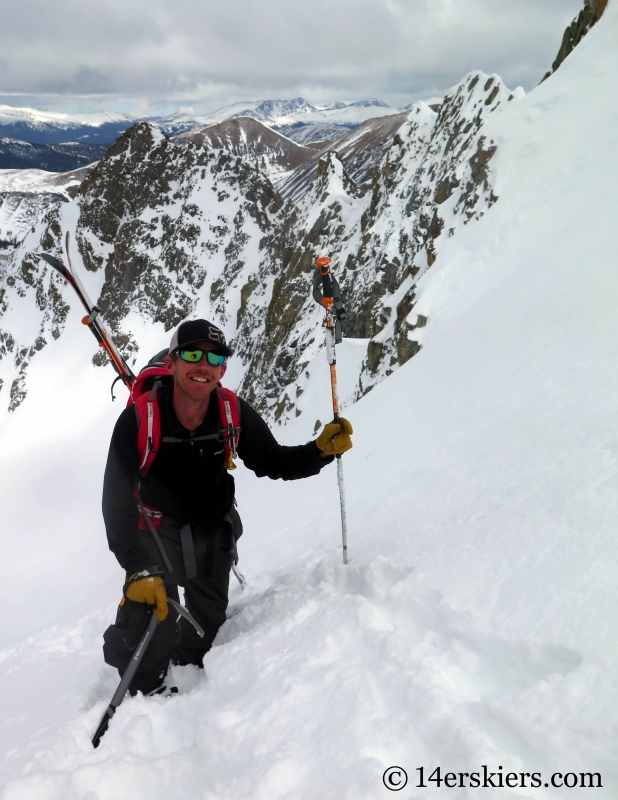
[(176, 440)]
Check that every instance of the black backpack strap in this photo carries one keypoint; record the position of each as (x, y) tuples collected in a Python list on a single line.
[(188, 551)]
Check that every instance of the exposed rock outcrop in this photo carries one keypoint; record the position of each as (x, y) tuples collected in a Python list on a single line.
[(590, 14)]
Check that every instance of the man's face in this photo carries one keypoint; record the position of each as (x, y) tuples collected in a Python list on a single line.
[(196, 381)]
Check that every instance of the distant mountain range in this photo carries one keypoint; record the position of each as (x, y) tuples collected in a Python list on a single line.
[(285, 139), (297, 119), (46, 127)]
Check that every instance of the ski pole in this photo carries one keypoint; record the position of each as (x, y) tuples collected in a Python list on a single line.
[(125, 682), (330, 298)]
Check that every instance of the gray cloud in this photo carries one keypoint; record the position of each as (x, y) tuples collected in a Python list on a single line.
[(150, 55)]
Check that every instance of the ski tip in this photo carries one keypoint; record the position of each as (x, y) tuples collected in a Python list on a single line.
[(67, 242)]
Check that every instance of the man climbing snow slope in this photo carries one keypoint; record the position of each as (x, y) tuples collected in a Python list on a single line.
[(179, 490)]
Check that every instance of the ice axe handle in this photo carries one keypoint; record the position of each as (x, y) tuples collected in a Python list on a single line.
[(127, 677)]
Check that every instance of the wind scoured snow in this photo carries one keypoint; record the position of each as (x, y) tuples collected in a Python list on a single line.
[(475, 623)]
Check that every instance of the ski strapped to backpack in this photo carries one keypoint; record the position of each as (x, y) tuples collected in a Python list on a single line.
[(92, 318)]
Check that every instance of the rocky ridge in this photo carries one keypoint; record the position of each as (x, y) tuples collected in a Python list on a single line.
[(590, 14)]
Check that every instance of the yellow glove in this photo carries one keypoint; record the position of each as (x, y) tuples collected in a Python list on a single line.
[(335, 438), (149, 589)]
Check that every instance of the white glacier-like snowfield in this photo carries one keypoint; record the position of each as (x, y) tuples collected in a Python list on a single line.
[(476, 622)]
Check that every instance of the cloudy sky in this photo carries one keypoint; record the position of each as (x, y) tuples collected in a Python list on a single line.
[(156, 56)]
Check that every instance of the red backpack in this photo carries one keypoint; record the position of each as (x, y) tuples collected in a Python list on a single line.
[(143, 397)]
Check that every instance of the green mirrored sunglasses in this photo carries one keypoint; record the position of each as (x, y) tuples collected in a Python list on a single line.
[(194, 356)]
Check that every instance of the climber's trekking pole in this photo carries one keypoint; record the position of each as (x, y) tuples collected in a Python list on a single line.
[(326, 293)]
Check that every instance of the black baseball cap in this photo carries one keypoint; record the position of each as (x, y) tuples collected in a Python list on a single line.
[(198, 330)]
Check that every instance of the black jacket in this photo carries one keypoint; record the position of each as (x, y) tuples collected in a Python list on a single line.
[(188, 481)]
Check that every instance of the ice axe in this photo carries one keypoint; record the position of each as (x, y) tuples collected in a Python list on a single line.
[(138, 655), (327, 294)]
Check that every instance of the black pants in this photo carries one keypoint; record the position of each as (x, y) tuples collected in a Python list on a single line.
[(206, 597)]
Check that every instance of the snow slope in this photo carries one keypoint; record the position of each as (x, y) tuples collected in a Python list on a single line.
[(476, 622), (26, 195)]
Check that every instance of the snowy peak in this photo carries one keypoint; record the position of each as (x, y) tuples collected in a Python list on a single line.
[(263, 110), (276, 113), (27, 195), (333, 183), (245, 136), (275, 109), (38, 181), (151, 204), (304, 122)]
